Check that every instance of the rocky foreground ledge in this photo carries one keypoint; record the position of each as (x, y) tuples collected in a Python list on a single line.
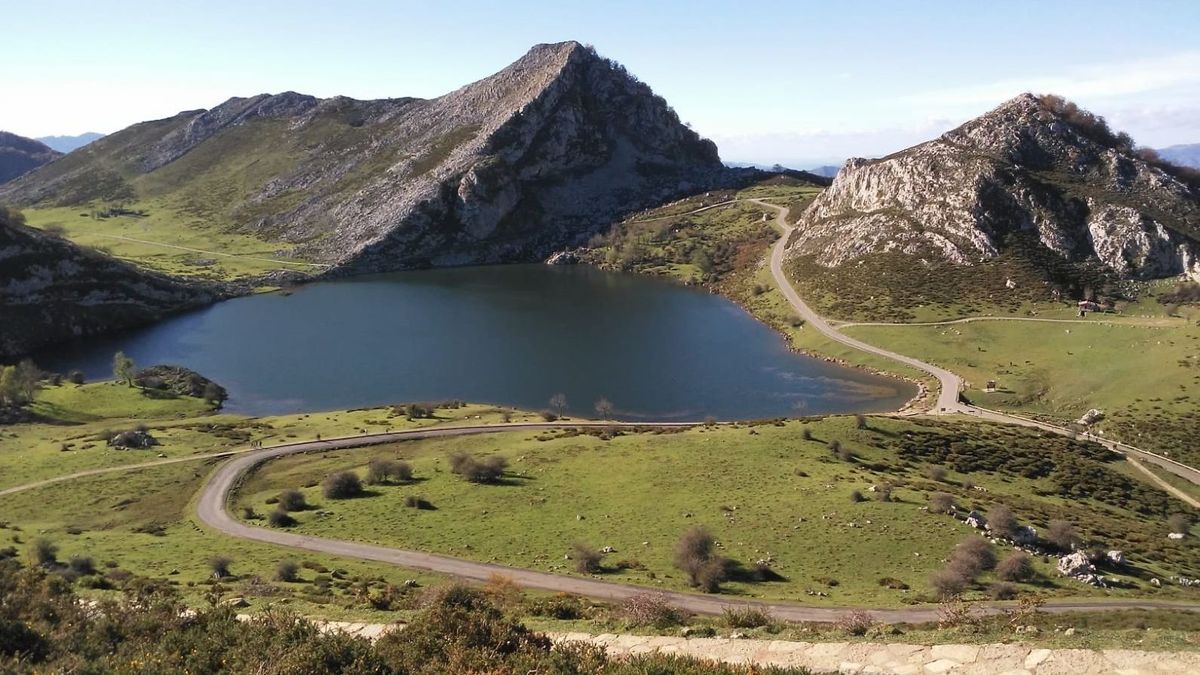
[(872, 657)]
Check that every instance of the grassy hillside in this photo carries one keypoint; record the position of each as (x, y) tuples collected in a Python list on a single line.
[(768, 494)]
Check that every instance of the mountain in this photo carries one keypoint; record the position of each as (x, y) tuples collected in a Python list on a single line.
[(537, 157), (1182, 155), (827, 170), (66, 144), (52, 290), (20, 155), (1037, 170)]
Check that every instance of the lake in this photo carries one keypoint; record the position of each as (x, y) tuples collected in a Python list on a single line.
[(508, 335)]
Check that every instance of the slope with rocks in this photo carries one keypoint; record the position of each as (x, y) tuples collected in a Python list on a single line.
[(1035, 174), (534, 158), (20, 155), (52, 290)]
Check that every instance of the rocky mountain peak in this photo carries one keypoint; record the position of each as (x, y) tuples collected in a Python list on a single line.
[(1035, 166)]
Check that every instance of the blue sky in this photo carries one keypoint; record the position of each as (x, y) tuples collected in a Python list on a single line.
[(801, 83)]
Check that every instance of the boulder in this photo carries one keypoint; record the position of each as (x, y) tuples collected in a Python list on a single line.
[(1116, 557), (134, 438), (1091, 417), (1075, 564)]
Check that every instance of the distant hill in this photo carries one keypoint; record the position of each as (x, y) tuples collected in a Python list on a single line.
[(535, 158), (66, 144), (20, 155), (1035, 201), (1182, 155), (52, 290), (828, 170)]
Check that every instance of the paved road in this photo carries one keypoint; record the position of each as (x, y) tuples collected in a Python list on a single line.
[(212, 510), (950, 384)]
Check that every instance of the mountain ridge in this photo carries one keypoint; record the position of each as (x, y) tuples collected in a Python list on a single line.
[(533, 158), (20, 155), (1033, 166)]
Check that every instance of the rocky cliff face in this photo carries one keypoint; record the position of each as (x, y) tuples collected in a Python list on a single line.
[(1036, 166), (20, 155), (52, 290), (534, 158)]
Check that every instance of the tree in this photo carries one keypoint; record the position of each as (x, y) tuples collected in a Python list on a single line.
[(558, 403), (9, 391), (124, 369), (1062, 534), (604, 408), (27, 380), (381, 470)]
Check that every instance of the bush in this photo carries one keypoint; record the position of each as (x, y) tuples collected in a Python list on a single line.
[(1002, 591), (1062, 534), (936, 473), (561, 606), (949, 582), (43, 552), (280, 518), (549, 416), (745, 617), (416, 502), (856, 622), (291, 500), (974, 554), (342, 485), (893, 583), (845, 454), (381, 471), (856, 496), (806, 434), (652, 609), (1018, 566), (694, 556), (488, 470), (860, 421), (220, 566), (941, 502), (76, 377), (1001, 521), (587, 559), (82, 565), (287, 571)]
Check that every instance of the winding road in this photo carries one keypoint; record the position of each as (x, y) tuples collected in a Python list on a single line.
[(212, 510)]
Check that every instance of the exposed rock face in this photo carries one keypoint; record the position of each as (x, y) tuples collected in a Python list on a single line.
[(533, 159), (20, 155), (1034, 165), (52, 290)]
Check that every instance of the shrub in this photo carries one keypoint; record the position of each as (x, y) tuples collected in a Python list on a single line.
[(1018, 566), (291, 500), (845, 454), (43, 552), (416, 502), (587, 559), (560, 606), (835, 447), (387, 471), (76, 377), (936, 473), (949, 582), (342, 485), (856, 622), (941, 502), (860, 421), (1001, 521), (1179, 523), (806, 434), (652, 609), (974, 554), (549, 416), (745, 617), (856, 496), (1002, 591), (287, 571), (694, 556), (893, 583), (280, 518), (220, 566), (82, 565), (1062, 534), (488, 470)]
